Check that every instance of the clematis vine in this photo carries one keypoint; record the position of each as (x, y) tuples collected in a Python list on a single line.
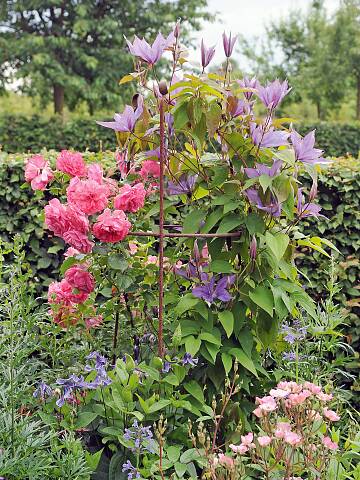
[(273, 206), (306, 209), (214, 289)]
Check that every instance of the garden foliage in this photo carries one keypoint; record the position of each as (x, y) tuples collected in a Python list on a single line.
[(23, 134)]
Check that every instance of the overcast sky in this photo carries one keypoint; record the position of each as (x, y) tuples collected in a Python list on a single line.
[(247, 17)]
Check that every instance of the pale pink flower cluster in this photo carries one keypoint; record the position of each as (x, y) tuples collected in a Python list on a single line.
[(38, 172)]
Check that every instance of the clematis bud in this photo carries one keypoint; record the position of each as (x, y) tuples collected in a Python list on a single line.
[(253, 248), (177, 29), (207, 54), (163, 89), (313, 191), (196, 251), (228, 43)]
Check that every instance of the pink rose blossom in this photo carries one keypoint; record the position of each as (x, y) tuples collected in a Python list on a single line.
[(76, 219), (264, 440), (247, 439), (79, 278), (111, 226), (297, 398), (258, 412), (324, 397), (278, 393), (55, 217), (291, 387), (38, 172), (65, 316), (130, 199), (151, 260), (62, 292), (78, 240), (241, 449), (314, 389), (133, 248), (71, 252), (330, 415), (93, 321), (292, 438), (95, 172), (328, 443), (281, 429), (87, 195), (266, 404), (226, 461), (71, 163), (150, 168)]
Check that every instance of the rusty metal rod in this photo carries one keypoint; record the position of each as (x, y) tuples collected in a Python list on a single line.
[(161, 230), (185, 235)]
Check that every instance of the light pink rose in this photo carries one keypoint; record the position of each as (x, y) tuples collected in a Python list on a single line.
[(71, 252), (330, 415), (281, 429), (328, 443), (291, 387), (226, 461), (111, 226), (266, 404), (79, 278), (38, 172), (55, 217), (150, 168), (71, 163), (278, 393), (297, 398), (324, 397), (87, 195), (314, 389), (78, 240), (151, 260), (241, 449), (264, 440), (94, 321), (247, 439), (292, 438), (62, 293), (133, 248), (130, 199), (258, 412)]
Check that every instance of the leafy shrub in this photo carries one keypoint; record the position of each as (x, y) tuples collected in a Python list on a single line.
[(23, 134)]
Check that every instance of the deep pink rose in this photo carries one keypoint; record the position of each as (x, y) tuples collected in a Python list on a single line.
[(65, 315), (87, 195), (78, 277), (71, 163), (94, 321), (111, 226), (130, 199), (38, 172), (76, 219), (55, 217), (150, 168), (78, 240), (62, 292)]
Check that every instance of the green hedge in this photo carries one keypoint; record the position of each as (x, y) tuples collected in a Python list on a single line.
[(21, 134)]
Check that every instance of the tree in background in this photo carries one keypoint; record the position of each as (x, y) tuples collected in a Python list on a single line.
[(320, 55), (75, 50)]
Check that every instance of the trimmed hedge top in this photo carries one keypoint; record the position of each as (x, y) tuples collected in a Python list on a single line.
[(23, 134)]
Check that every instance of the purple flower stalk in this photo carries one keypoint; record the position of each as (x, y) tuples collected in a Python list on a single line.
[(207, 54), (132, 472), (304, 209), (249, 83), (43, 391), (212, 290), (150, 54), (274, 92), (188, 359), (304, 148), (69, 385), (185, 185), (141, 437), (273, 207), (101, 379), (125, 122), (228, 43), (293, 333), (270, 138), (261, 169)]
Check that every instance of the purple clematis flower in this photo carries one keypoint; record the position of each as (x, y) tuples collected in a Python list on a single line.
[(151, 54), (188, 359), (207, 54), (273, 93), (125, 122), (228, 43), (241, 107), (304, 148), (271, 138), (306, 209), (211, 290), (249, 83), (184, 185), (261, 169), (274, 207)]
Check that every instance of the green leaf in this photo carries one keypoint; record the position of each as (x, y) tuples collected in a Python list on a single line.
[(192, 345), (227, 321), (160, 405), (254, 223), (180, 469), (180, 116), (192, 221), (221, 266), (185, 303), (173, 453), (244, 360), (195, 390), (263, 297), (277, 243), (227, 362), (84, 419), (93, 459), (69, 262), (117, 262), (228, 223), (209, 337)]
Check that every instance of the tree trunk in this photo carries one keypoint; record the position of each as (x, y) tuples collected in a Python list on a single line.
[(319, 112), (358, 99), (59, 99)]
